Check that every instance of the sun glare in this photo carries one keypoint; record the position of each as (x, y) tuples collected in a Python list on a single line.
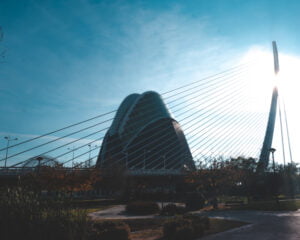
[(262, 80)]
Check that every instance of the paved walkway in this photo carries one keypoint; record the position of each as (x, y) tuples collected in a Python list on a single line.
[(263, 225), (116, 212)]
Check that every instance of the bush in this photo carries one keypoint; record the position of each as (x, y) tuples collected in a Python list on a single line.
[(185, 228), (178, 225), (142, 208), (25, 215), (172, 209), (184, 233), (109, 230), (199, 223), (194, 201)]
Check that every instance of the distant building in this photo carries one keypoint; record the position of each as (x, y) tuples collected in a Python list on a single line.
[(144, 136), (41, 160)]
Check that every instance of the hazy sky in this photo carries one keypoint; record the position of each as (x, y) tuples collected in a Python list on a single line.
[(66, 61)]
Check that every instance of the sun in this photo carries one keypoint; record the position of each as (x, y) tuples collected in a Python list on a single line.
[(263, 79), (260, 79), (262, 75)]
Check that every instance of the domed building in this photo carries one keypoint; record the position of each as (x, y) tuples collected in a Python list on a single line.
[(39, 161), (144, 136)]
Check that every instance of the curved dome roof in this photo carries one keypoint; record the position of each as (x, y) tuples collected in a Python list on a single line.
[(121, 113), (136, 111), (137, 119), (40, 160), (147, 108)]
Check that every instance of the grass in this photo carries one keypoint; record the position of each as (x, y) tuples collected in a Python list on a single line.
[(94, 209), (265, 205), (37, 218), (220, 225), (140, 223), (148, 234), (91, 209), (233, 198), (271, 205), (93, 202), (151, 229), (92, 205)]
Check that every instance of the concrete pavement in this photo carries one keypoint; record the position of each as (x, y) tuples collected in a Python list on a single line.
[(263, 225), (116, 212)]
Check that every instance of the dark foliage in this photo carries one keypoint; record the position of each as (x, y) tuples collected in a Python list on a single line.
[(194, 201), (185, 228), (142, 208), (171, 228), (25, 215), (109, 230), (172, 209)]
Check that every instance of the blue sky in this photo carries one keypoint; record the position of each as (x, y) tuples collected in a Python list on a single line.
[(70, 60)]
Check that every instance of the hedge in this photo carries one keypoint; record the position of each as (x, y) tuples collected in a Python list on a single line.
[(142, 208), (185, 228)]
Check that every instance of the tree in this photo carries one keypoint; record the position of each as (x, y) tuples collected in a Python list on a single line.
[(58, 178), (219, 176)]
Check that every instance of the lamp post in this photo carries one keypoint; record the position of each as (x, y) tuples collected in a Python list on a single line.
[(39, 159), (89, 161), (73, 150), (8, 139), (272, 151)]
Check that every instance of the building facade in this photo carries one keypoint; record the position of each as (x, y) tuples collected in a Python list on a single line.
[(144, 136)]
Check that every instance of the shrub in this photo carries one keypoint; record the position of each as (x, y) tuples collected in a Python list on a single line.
[(25, 215), (172, 227), (199, 223), (185, 227), (172, 209), (184, 233), (194, 201), (142, 208), (109, 230)]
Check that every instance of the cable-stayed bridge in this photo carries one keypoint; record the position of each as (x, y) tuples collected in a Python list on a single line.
[(229, 114)]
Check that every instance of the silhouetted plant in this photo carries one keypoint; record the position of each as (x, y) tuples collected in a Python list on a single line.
[(26, 215), (185, 228), (172, 209), (142, 208), (108, 230)]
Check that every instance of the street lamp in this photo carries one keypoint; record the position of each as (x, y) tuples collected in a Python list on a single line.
[(90, 148), (89, 162), (8, 139), (73, 150), (39, 159), (272, 151)]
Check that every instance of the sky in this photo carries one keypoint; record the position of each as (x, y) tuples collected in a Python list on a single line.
[(67, 61)]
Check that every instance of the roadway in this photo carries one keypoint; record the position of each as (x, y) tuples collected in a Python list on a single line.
[(263, 225)]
